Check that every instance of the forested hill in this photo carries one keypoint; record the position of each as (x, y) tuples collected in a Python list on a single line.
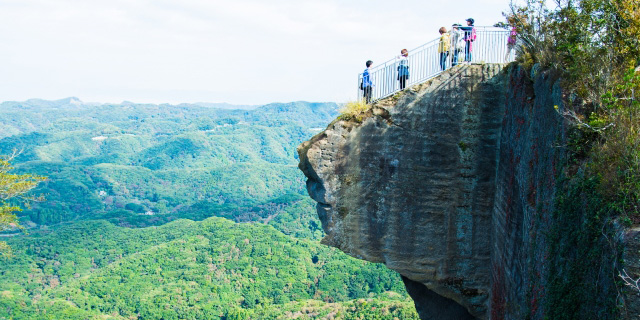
[(111, 240), (142, 164), (212, 269)]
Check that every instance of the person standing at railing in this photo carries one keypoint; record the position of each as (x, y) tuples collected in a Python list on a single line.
[(443, 47), (469, 38), (367, 85), (512, 20), (403, 68), (457, 42), (511, 43)]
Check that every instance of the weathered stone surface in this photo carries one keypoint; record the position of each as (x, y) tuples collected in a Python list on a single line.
[(532, 151), (413, 185)]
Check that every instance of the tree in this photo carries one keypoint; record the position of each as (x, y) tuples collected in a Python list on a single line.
[(593, 42), (13, 193)]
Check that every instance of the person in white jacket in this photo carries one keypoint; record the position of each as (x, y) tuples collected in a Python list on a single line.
[(457, 42)]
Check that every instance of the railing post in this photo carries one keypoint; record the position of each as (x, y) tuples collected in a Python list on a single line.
[(358, 97)]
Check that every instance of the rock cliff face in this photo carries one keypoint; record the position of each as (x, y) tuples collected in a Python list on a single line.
[(413, 185), (450, 183), (531, 154)]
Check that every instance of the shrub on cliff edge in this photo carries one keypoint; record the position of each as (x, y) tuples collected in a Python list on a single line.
[(354, 110)]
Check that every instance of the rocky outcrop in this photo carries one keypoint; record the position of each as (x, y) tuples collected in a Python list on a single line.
[(413, 184), (452, 183)]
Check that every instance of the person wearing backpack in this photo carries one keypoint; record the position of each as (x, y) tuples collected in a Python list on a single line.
[(457, 42), (469, 38), (403, 68), (366, 85), (443, 47)]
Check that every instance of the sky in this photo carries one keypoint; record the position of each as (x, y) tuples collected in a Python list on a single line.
[(242, 52)]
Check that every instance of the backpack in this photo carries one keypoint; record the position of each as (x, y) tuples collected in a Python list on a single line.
[(403, 68), (473, 34)]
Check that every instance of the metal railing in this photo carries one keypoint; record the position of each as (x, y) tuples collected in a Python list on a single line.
[(490, 46)]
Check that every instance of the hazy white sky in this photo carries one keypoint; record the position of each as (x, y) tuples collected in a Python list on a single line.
[(240, 51)]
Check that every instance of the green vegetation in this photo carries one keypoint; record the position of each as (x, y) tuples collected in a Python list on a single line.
[(111, 239), (142, 165), (189, 270), (592, 42), (354, 110), (594, 46), (13, 189), (582, 274), (355, 107)]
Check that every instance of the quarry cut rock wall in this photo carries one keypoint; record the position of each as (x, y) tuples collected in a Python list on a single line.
[(452, 184), (531, 154)]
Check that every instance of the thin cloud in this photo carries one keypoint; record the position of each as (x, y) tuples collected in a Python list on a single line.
[(244, 51)]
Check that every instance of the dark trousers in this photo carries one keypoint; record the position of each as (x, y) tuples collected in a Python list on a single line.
[(367, 94), (403, 81), (443, 59), (467, 51)]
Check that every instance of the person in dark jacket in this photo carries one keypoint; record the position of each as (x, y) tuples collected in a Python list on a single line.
[(367, 85), (469, 38)]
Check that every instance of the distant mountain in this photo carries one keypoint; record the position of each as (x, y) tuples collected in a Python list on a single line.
[(71, 101), (36, 114), (224, 106), (145, 164)]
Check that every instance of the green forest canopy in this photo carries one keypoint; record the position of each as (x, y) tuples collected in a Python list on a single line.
[(116, 167)]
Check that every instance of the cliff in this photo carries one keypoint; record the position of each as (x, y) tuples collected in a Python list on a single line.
[(452, 183)]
